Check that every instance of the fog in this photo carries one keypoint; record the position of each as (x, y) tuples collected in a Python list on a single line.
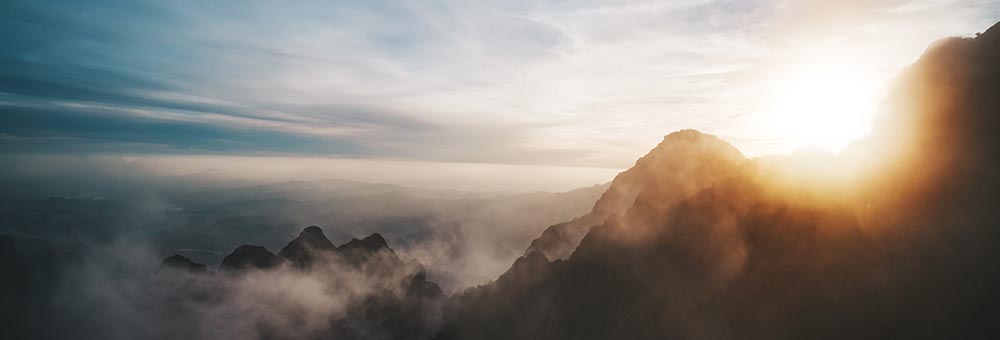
[(110, 294), (463, 237), (92, 232), (478, 177), (894, 237)]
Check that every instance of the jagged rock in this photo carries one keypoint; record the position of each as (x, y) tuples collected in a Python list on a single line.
[(525, 268), (304, 249), (371, 249), (373, 242), (249, 257)]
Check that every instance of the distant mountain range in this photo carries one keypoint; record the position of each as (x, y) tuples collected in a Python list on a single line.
[(406, 307), (463, 238)]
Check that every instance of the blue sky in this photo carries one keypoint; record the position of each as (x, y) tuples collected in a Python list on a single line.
[(573, 83)]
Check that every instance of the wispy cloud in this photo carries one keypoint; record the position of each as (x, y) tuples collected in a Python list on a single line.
[(586, 83)]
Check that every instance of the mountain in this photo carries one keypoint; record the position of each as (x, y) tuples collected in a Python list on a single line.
[(360, 289), (358, 252), (249, 257), (902, 248), (300, 250), (693, 242), (685, 162), (475, 235)]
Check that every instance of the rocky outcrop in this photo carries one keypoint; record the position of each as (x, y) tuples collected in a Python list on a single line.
[(303, 250), (249, 257)]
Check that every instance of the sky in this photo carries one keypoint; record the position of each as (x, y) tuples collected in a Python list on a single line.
[(574, 84)]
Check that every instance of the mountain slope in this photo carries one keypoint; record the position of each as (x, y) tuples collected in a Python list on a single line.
[(249, 257), (682, 164), (901, 249)]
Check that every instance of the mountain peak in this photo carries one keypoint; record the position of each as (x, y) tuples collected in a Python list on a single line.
[(706, 143), (312, 231), (376, 238), (313, 236), (249, 256), (685, 134), (685, 162), (373, 242), (300, 250), (372, 248)]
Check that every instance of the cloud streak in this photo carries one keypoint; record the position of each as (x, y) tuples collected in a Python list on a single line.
[(463, 81)]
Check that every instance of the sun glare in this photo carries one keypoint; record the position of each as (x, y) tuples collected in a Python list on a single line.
[(822, 104)]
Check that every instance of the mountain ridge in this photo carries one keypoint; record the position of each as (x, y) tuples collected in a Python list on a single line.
[(396, 301), (694, 160), (760, 254)]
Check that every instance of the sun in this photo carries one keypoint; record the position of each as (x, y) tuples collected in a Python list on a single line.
[(822, 103)]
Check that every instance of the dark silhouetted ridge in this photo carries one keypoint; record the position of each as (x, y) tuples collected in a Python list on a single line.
[(371, 249), (303, 250), (527, 268), (373, 242), (397, 302), (249, 257)]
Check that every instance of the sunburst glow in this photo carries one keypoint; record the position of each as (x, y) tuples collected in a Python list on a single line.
[(822, 102)]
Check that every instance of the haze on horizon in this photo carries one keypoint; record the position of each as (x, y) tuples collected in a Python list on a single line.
[(575, 90), (452, 170)]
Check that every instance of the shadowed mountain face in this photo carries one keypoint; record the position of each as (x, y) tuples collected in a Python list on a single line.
[(300, 250), (902, 246), (312, 245), (249, 257), (684, 163)]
